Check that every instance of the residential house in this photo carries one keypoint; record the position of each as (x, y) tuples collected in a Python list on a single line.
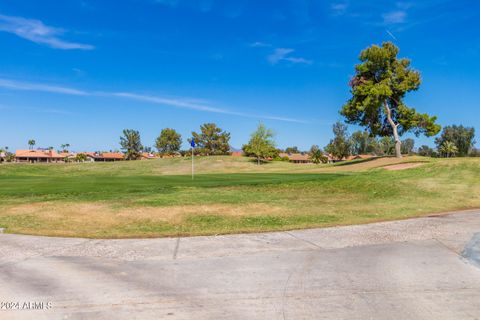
[(108, 156), (72, 157), (67, 155), (330, 158), (148, 156), (296, 157), (34, 156)]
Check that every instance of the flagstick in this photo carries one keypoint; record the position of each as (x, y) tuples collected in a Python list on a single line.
[(192, 163)]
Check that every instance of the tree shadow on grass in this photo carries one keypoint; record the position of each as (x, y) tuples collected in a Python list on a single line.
[(263, 161), (352, 162)]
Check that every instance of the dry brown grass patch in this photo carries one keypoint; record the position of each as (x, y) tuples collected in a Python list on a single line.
[(105, 214)]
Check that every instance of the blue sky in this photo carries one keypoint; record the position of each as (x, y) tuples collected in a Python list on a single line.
[(79, 72)]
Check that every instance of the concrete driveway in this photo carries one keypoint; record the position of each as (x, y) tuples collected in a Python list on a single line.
[(422, 268)]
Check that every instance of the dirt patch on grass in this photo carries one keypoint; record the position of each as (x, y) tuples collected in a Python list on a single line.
[(365, 165), (403, 166)]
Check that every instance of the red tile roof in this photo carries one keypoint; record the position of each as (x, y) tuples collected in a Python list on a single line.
[(146, 155), (37, 154), (110, 155), (295, 156), (67, 154), (54, 154), (89, 154)]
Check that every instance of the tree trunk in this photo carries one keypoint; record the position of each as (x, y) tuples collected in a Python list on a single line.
[(398, 142)]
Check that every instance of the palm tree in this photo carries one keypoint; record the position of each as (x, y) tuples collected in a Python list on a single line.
[(65, 147), (449, 149), (31, 143), (7, 156)]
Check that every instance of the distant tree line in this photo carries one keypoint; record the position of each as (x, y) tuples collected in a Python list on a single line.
[(454, 141), (361, 142), (211, 140)]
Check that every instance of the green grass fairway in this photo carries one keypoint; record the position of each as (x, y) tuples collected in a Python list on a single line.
[(158, 198)]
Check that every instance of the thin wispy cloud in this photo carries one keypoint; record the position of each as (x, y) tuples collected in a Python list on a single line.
[(394, 17), (390, 34), (183, 103), (339, 8), (281, 119), (283, 54), (186, 104), (297, 60), (79, 72), (167, 101), (259, 44), (36, 31), (278, 55), (28, 86)]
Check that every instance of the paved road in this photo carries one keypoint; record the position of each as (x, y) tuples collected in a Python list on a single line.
[(427, 268)]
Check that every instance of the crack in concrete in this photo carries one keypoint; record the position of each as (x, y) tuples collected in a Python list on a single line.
[(303, 240), (175, 251)]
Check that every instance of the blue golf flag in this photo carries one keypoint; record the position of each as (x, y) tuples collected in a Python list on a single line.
[(192, 143)]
